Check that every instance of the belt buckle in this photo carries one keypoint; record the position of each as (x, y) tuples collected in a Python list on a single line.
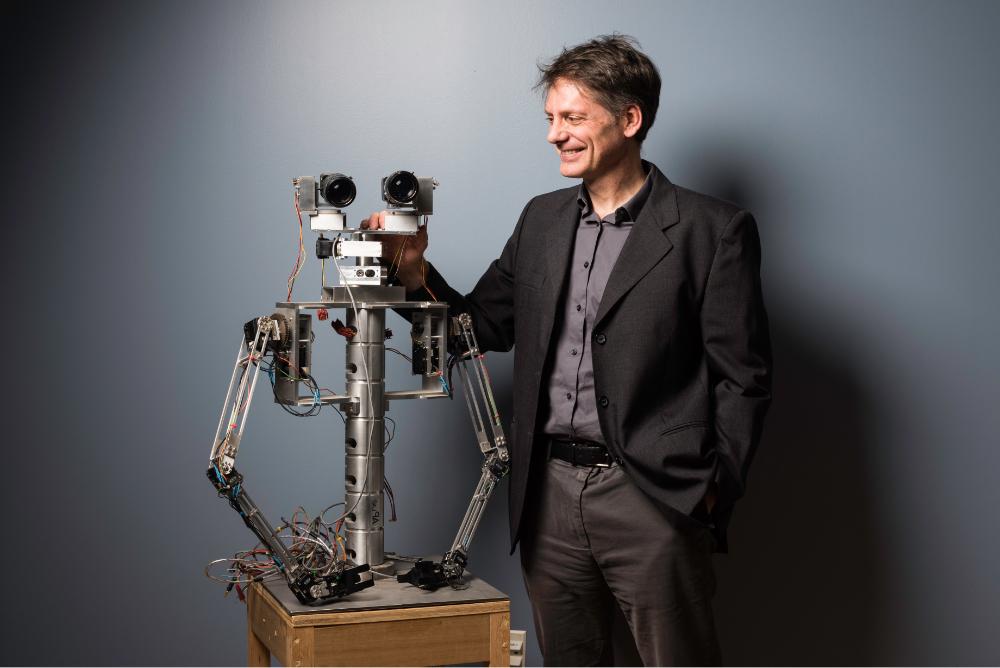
[(604, 465)]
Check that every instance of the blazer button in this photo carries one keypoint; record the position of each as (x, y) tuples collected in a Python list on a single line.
[(600, 338), (603, 401)]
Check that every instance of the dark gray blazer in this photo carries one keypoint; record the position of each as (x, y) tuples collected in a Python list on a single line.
[(682, 355)]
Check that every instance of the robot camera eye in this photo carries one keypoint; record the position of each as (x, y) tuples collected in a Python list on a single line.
[(337, 189), (400, 188)]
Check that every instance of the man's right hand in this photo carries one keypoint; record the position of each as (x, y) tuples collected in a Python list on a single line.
[(403, 253)]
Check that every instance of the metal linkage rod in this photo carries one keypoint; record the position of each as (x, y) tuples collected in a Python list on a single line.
[(239, 396), (482, 383), (474, 513), (475, 412)]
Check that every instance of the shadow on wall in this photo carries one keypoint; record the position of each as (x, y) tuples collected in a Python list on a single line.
[(806, 579)]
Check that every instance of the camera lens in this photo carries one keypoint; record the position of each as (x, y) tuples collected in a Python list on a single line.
[(337, 189), (400, 188)]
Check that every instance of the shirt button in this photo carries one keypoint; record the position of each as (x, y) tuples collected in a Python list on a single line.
[(579, 307), (603, 401), (600, 338), (586, 264), (569, 396), (574, 352)]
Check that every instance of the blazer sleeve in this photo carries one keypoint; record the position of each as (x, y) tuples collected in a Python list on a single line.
[(491, 302), (738, 349)]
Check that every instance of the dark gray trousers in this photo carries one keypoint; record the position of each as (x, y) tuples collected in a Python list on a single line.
[(594, 541)]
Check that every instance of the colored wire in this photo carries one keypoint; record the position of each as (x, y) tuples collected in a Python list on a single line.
[(423, 280), (394, 266), (300, 258), (275, 368), (314, 543)]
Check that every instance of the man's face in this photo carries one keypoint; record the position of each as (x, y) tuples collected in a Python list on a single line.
[(589, 140)]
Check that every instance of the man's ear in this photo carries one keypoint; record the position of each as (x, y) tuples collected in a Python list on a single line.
[(631, 120)]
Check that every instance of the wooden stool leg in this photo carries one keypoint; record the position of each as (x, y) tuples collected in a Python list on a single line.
[(257, 652), (500, 639)]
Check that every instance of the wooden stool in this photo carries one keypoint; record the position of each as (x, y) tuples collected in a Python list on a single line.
[(390, 624)]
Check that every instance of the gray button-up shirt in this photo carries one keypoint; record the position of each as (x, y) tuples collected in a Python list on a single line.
[(572, 401)]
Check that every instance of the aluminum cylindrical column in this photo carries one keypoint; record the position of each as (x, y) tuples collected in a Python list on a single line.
[(365, 437)]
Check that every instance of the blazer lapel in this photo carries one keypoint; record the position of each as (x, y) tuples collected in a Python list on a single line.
[(558, 251), (647, 243)]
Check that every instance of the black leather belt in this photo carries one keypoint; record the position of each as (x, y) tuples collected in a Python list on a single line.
[(579, 452)]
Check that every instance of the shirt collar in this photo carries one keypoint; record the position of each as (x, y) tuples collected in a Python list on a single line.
[(627, 213)]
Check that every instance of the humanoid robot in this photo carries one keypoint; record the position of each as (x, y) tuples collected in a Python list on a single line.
[(323, 561)]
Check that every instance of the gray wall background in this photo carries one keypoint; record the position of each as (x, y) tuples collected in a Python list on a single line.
[(147, 158)]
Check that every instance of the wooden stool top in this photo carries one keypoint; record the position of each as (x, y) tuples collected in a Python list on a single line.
[(387, 593), (390, 623)]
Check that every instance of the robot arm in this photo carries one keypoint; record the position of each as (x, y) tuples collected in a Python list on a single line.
[(311, 586), (478, 392), (242, 384)]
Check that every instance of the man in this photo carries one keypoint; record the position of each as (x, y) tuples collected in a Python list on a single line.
[(641, 372)]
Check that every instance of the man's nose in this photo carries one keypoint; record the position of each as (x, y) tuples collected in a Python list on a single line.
[(556, 133)]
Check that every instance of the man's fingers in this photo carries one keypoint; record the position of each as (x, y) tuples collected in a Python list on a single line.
[(393, 248)]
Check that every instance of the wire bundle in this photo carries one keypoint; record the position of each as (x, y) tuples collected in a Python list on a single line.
[(285, 368), (315, 544)]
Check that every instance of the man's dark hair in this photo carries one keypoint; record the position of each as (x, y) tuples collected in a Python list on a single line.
[(615, 72)]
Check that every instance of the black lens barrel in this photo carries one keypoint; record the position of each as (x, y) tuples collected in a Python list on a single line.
[(337, 189), (400, 188)]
